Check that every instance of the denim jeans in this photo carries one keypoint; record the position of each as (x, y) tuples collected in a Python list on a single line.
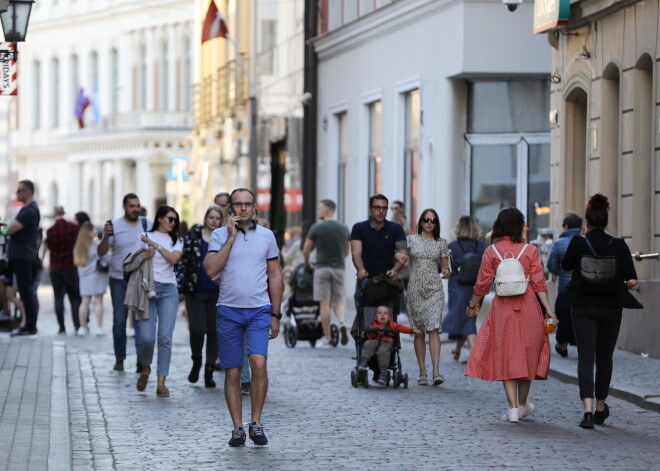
[(119, 317), (65, 281), (26, 272), (162, 317)]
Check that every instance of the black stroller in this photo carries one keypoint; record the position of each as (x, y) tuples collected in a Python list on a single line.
[(378, 291), (303, 319)]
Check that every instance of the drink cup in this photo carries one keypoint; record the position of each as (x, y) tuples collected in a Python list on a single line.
[(550, 326)]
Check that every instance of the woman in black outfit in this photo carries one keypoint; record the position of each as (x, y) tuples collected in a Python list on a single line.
[(596, 309), (201, 295)]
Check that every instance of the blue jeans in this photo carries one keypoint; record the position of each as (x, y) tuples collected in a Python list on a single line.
[(162, 317), (119, 317)]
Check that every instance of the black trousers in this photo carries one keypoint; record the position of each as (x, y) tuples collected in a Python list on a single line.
[(26, 274), (65, 281), (565, 332), (202, 310), (596, 332)]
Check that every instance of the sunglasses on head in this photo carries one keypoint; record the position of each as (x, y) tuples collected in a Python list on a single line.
[(430, 220), (171, 218)]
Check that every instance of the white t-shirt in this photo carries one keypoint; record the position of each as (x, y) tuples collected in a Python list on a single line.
[(243, 282), (163, 270), (123, 242)]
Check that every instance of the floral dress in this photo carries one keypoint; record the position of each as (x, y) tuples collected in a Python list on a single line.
[(426, 296)]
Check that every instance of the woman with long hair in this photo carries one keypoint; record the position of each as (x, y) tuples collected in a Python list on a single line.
[(201, 295), (460, 327), (164, 245), (597, 308), (512, 345), (425, 293), (93, 278)]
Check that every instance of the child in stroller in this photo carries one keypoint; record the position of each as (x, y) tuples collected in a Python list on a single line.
[(380, 337)]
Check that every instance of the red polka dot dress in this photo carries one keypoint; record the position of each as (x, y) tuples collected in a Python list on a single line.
[(512, 343)]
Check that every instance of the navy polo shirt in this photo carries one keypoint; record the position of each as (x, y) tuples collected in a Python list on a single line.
[(378, 247)]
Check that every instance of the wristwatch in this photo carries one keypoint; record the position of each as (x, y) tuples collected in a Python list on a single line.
[(276, 315)]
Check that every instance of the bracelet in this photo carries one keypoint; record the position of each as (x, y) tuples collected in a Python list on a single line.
[(158, 249), (473, 307)]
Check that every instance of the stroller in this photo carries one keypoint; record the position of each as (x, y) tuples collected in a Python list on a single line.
[(379, 290), (303, 320)]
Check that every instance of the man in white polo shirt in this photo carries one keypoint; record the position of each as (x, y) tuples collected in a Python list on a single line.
[(244, 256)]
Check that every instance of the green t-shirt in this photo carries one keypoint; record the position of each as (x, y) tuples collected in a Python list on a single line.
[(330, 238)]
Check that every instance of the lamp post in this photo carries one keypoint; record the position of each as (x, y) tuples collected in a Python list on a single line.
[(15, 16)]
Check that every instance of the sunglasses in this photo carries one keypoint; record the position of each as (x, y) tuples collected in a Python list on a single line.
[(171, 219), (429, 220)]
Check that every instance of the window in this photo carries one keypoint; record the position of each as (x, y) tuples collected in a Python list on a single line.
[(342, 159), (411, 151), (375, 139), (94, 87), (163, 77), (267, 46), (186, 92), (55, 94), (142, 79), (114, 81), (36, 87), (75, 79)]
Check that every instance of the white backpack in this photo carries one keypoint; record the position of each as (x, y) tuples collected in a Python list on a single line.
[(510, 279)]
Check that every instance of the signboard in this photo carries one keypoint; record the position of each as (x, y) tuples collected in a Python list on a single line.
[(8, 70), (550, 14)]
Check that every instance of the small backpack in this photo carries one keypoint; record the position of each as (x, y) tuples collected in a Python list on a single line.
[(468, 270), (510, 279), (597, 272)]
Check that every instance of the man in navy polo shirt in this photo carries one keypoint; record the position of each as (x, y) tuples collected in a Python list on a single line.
[(244, 256), (375, 242)]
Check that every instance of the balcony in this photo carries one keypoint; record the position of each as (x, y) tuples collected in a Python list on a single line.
[(158, 120)]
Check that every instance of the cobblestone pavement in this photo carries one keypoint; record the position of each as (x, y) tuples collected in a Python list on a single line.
[(315, 418)]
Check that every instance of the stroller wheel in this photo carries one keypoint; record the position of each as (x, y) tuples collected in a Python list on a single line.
[(388, 377), (312, 343), (397, 379), (405, 381), (354, 381), (334, 335), (290, 336)]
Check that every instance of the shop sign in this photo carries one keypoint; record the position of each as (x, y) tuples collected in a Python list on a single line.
[(550, 14)]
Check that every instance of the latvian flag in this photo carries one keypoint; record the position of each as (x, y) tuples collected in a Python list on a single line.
[(214, 25)]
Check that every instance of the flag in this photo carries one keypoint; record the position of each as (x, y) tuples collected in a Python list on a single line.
[(82, 102), (214, 24)]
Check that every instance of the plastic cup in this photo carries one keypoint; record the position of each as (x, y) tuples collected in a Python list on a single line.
[(550, 326)]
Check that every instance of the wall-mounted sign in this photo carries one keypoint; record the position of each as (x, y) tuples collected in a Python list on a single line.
[(550, 14), (8, 70)]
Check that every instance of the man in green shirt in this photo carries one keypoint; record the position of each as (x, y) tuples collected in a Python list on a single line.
[(331, 240)]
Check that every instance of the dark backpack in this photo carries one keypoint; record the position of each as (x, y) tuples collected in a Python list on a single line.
[(597, 272), (468, 270)]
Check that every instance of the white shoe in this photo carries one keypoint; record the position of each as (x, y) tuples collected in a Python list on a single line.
[(323, 343), (512, 415), (526, 410), (82, 331), (99, 333)]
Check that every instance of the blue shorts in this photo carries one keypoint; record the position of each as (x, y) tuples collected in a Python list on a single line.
[(233, 325)]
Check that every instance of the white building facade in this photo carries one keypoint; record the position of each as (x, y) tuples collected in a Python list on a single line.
[(133, 61), (438, 103)]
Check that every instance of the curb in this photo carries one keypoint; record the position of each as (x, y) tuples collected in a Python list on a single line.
[(59, 452)]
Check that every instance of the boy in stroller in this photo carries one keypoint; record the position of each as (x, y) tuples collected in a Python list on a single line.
[(380, 336)]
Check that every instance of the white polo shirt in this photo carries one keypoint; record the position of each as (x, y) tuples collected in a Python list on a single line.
[(243, 281)]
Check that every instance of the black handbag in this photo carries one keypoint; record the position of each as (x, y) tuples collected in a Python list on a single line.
[(102, 265)]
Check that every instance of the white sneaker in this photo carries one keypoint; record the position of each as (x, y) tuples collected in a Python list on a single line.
[(512, 415), (82, 331), (323, 343), (526, 410)]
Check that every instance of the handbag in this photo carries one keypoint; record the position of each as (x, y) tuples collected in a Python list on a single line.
[(102, 265)]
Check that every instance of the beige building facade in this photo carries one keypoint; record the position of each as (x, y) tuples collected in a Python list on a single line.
[(605, 135)]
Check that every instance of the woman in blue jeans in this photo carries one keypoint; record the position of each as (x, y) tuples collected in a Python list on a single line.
[(164, 245)]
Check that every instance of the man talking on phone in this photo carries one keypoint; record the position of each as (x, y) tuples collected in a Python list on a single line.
[(244, 256)]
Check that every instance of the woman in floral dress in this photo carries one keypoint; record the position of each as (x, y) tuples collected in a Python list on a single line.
[(425, 293), (512, 345)]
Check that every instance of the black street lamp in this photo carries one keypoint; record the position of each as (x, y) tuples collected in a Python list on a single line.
[(15, 22)]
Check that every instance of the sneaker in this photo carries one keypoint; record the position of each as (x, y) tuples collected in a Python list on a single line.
[(562, 351), (526, 410), (23, 332), (363, 365), (601, 415), (82, 331), (237, 437), (245, 389), (119, 366), (344, 334), (587, 420), (382, 379), (257, 435), (512, 415), (61, 332), (324, 343)]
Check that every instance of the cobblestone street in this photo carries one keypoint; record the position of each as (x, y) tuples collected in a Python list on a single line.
[(314, 418)]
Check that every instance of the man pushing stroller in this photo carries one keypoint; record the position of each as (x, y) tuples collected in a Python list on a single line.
[(380, 336)]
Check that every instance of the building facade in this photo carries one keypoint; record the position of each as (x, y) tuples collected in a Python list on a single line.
[(131, 62), (247, 127), (439, 104), (605, 139)]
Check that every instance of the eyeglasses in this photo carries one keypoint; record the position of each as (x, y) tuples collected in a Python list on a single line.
[(21, 190), (242, 205), (380, 208), (171, 219), (429, 220)]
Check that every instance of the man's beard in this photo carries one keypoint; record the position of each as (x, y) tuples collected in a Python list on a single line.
[(130, 218)]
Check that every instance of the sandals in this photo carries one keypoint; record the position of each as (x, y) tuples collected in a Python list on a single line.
[(457, 354), (422, 380), (438, 379)]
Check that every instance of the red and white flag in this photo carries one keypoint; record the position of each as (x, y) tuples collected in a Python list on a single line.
[(214, 24), (8, 70)]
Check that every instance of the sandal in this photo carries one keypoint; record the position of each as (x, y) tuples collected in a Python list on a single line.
[(457, 354), (422, 379), (438, 379)]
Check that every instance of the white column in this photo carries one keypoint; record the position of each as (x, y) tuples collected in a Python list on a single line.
[(145, 181), (152, 54)]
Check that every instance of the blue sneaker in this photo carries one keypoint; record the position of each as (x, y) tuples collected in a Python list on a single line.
[(237, 437), (382, 379), (363, 365), (257, 434)]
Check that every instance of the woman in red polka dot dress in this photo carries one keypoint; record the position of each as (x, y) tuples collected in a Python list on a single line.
[(512, 345)]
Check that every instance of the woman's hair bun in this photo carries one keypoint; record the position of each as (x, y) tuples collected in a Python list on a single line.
[(599, 201)]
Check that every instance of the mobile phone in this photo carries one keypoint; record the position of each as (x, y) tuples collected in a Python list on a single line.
[(230, 211), (113, 227)]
